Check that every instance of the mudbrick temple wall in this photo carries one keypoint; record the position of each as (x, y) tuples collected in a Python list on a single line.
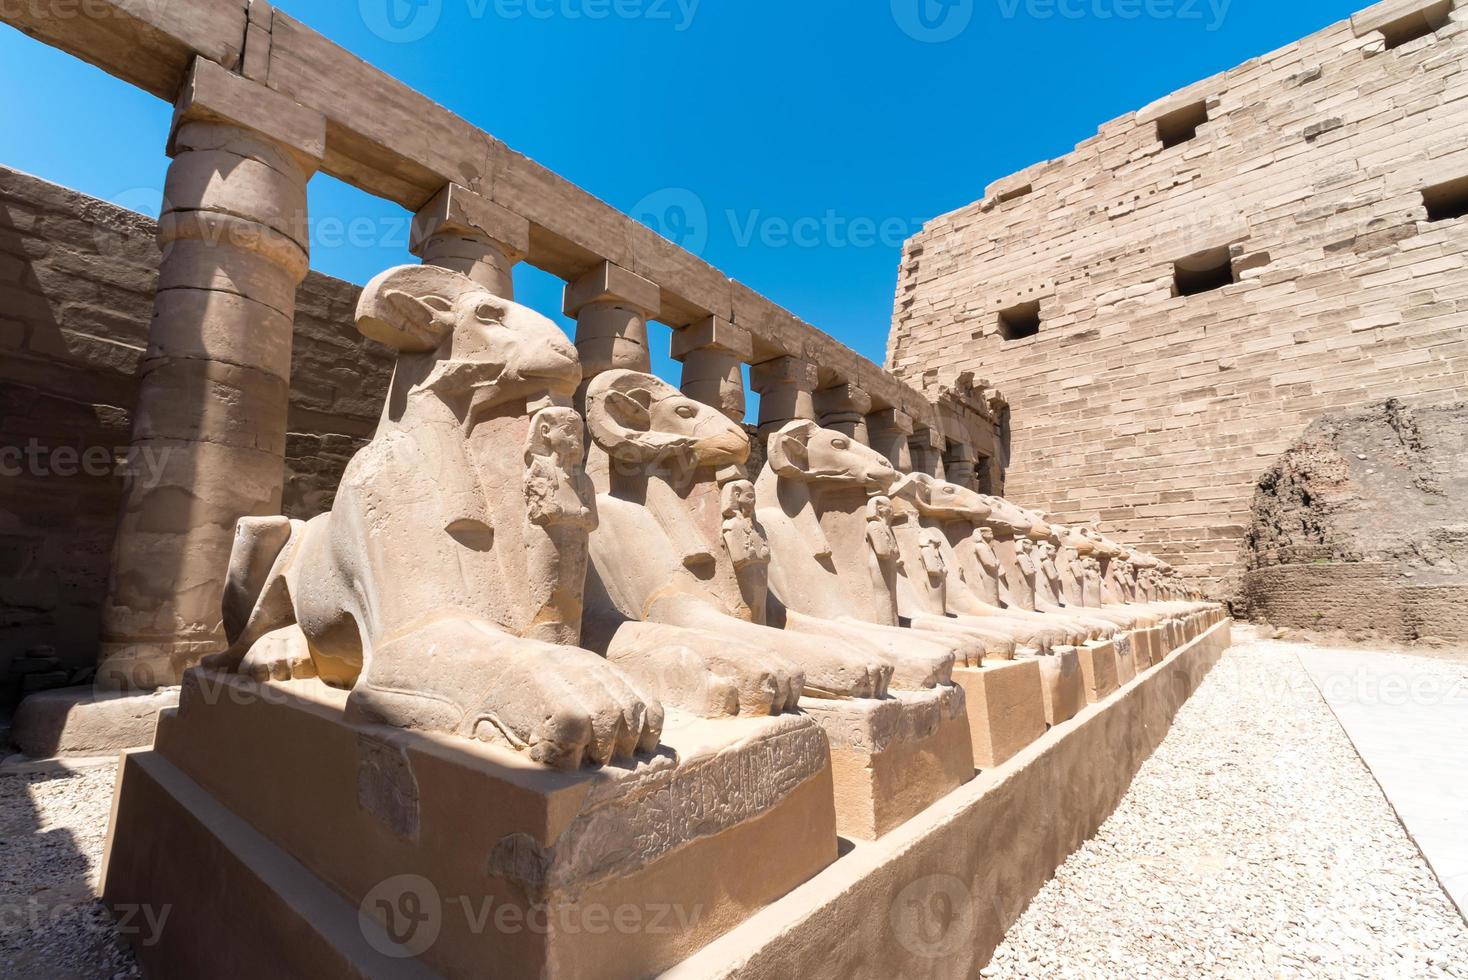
[(77, 279), (1172, 304)]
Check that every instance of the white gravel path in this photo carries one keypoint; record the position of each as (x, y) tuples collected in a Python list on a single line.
[(1254, 843), (52, 828)]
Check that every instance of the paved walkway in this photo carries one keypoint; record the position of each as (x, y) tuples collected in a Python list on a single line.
[(1408, 719)]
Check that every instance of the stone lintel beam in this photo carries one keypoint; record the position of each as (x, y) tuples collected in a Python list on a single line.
[(611, 306), (786, 386), (210, 94), (464, 231), (845, 407), (714, 352)]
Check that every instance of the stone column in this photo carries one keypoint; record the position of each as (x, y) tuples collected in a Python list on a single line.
[(958, 464), (845, 408), (209, 428), (464, 231), (786, 386), (889, 430), (611, 307), (927, 447), (714, 352)]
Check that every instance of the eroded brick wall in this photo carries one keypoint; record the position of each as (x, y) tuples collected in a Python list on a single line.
[(76, 296), (1156, 413)]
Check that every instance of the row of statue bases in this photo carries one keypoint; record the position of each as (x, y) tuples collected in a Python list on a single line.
[(722, 675)]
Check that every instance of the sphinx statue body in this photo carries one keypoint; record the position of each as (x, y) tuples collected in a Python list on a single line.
[(679, 586), (444, 586), (991, 550), (834, 560)]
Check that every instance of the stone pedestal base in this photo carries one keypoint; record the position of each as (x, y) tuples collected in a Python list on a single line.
[(1151, 646), (1063, 685), (891, 759), (288, 842), (82, 721), (1006, 708), (1126, 658), (1098, 670)]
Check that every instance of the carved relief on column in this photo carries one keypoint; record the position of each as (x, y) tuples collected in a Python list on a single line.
[(470, 234), (786, 386), (215, 382), (611, 307), (889, 430), (714, 352), (845, 408)]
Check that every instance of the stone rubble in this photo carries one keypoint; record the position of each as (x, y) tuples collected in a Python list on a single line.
[(1254, 843)]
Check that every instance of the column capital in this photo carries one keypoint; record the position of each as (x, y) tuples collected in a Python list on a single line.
[(789, 370), (959, 452), (610, 283), (713, 333), (927, 438), (891, 419), (213, 94), (843, 399), (456, 210)]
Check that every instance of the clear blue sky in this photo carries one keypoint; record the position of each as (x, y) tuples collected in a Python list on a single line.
[(793, 143)]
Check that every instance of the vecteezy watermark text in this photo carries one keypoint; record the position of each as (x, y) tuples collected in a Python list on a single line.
[(405, 915), (1211, 13), (679, 215), (406, 21), (36, 459)]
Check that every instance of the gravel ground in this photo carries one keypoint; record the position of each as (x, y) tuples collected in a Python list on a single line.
[(52, 828), (1254, 843)]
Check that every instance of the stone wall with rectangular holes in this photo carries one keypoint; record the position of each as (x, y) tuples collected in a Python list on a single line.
[(77, 277), (1299, 248)]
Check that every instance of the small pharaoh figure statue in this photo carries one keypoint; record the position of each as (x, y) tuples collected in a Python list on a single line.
[(746, 546), (1091, 575), (886, 558), (1024, 589), (1054, 588), (932, 548), (879, 529), (989, 561), (557, 490), (561, 503)]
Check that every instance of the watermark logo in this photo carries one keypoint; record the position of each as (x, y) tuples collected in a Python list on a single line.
[(934, 917), (678, 215), (933, 21), (132, 231), (143, 465), (402, 916), (1211, 13), (401, 21)]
